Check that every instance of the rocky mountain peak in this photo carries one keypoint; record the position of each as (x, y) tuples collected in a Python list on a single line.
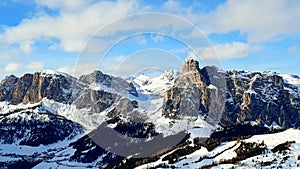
[(233, 97), (32, 88), (190, 65), (117, 84)]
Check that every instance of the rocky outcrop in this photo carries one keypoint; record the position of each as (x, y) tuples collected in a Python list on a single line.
[(263, 98), (190, 65), (115, 83), (232, 97), (7, 87), (193, 93), (32, 88)]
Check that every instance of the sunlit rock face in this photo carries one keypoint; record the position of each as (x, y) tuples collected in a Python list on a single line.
[(232, 97)]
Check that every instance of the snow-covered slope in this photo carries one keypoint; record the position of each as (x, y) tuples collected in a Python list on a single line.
[(291, 79), (292, 84), (156, 85), (280, 150)]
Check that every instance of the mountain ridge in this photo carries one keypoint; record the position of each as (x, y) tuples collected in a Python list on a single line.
[(180, 112), (230, 97)]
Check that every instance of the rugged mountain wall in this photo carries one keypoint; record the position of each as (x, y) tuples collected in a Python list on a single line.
[(232, 97), (116, 83), (228, 98), (32, 88)]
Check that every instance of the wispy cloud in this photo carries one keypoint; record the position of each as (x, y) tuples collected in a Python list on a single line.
[(226, 51), (71, 28), (293, 49), (35, 66), (26, 46), (11, 67), (66, 4), (260, 20), (120, 58), (78, 69)]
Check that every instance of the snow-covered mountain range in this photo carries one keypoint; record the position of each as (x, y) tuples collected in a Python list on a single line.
[(199, 118)]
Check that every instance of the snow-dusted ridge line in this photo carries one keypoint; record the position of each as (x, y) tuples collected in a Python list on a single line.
[(291, 79), (155, 85), (84, 116), (48, 72)]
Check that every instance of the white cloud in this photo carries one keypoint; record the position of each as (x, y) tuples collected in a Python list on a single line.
[(4, 56), (9, 53), (120, 58), (72, 45), (171, 6), (65, 4), (11, 67), (196, 33), (127, 70), (260, 20), (76, 21), (35, 66), (226, 51), (161, 23), (79, 69), (71, 28), (157, 38), (180, 50), (26, 46), (293, 49), (53, 47), (66, 69), (141, 40)]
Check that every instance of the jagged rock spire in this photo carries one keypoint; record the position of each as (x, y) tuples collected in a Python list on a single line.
[(190, 65)]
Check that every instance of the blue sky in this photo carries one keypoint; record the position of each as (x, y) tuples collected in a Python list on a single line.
[(124, 37)]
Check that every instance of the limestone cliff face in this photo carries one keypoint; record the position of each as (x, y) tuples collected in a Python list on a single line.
[(116, 83), (190, 65), (32, 88), (232, 97), (192, 93)]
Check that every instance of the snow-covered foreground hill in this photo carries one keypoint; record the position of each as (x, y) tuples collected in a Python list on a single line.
[(279, 150)]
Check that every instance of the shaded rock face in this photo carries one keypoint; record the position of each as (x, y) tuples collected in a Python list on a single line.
[(193, 93), (99, 101), (190, 65), (115, 83), (263, 98), (32, 88), (232, 97)]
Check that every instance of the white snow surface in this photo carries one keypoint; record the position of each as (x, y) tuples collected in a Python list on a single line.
[(227, 151), (155, 85), (48, 72), (84, 117), (291, 79)]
